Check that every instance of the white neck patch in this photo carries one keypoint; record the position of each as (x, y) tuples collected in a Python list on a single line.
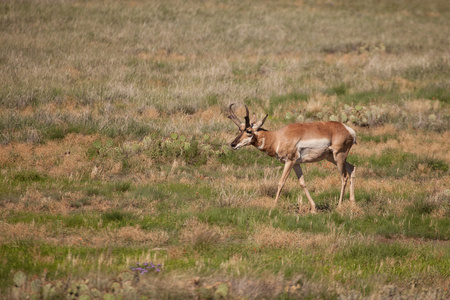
[(262, 144)]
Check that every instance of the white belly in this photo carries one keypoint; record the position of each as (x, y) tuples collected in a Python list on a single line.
[(312, 150)]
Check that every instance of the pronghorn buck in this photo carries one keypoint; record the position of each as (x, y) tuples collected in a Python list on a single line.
[(300, 143)]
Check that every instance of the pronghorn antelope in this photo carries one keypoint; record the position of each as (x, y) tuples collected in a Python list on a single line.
[(300, 143)]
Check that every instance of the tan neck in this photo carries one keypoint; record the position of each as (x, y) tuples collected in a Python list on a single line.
[(264, 141)]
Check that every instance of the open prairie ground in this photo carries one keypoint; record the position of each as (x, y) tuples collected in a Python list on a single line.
[(114, 149)]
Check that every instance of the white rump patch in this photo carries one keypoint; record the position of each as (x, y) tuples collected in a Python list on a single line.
[(352, 132)]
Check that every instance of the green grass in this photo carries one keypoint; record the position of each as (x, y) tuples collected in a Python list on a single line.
[(279, 100), (247, 157), (439, 92), (138, 93), (397, 164), (369, 97), (377, 138), (28, 176)]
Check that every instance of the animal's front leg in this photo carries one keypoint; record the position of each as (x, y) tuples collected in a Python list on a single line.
[(287, 169)]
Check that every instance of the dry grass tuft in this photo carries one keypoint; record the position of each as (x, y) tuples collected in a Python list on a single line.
[(58, 158), (267, 236), (268, 188), (100, 204), (274, 237), (130, 234), (428, 144), (440, 202), (318, 102), (262, 202), (197, 233), (260, 289), (209, 115), (150, 113), (234, 196), (274, 287), (34, 201), (420, 106), (21, 231), (318, 185), (350, 210), (382, 130)]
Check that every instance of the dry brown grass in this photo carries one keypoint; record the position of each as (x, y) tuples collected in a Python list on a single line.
[(430, 144), (64, 158), (12, 233), (34, 201), (198, 233), (318, 103), (150, 113), (176, 67), (350, 210), (262, 202), (129, 235), (267, 236)]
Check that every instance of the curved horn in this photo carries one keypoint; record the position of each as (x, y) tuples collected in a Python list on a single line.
[(233, 117), (247, 118)]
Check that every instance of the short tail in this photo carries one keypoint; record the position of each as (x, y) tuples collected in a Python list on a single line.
[(352, 133)]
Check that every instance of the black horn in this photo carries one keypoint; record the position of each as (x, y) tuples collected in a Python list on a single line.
[(233, 117)]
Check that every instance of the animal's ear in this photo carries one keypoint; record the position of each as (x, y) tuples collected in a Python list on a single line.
[(260, 123)]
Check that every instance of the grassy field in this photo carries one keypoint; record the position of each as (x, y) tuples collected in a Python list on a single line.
[(114, 149)]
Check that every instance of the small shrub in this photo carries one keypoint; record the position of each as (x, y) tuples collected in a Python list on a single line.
[(55, 132), (116, 216), (122, 186), (421, 207), (339, 90), (92, 191), (436, 164), (80, 203), (29, 176)]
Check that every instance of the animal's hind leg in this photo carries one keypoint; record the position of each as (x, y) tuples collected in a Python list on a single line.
[(339, 159), (301, 180), (340, 162), (351, 170), (334, 152)]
